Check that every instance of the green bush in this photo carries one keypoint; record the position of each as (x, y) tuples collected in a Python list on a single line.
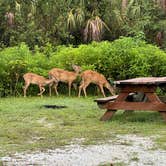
[(122, 59)]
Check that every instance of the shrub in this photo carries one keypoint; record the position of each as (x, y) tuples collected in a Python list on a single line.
[(121, 59)]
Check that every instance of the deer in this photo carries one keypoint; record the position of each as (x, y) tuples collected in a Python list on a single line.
[(90, 76), (32, 78), (65, 76)]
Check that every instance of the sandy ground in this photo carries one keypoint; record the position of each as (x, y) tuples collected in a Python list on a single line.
[(129, 150)]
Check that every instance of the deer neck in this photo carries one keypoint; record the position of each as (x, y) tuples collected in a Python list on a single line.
[(49, 81), (77, 73)]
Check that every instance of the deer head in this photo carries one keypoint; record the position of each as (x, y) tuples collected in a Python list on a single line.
[(76, 68)]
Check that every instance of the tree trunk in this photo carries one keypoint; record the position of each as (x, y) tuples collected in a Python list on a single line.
[(124, 5), (162, 3)]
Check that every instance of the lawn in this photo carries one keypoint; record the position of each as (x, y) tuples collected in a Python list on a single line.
[(25, 125)]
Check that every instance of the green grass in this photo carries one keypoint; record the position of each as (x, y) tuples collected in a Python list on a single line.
[(27, 126)]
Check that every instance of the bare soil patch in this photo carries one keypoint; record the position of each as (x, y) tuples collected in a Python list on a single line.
[(124, 150)]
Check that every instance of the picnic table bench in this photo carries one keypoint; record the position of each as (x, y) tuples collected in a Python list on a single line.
[(135, 94)]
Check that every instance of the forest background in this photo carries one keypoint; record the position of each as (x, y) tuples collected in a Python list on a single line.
[(37, 22)]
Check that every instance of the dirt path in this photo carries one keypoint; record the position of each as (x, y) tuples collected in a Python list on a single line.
[(125, 150)]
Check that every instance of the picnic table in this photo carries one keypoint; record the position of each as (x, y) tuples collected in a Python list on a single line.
[(149, 100)]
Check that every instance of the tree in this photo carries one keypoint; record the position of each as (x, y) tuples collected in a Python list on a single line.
[(124, 5), (94, 29), (38, 22)]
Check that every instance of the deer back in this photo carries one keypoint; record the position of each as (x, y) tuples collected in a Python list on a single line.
[(34, 78), (62, 75), (49, 81), (94, 77)]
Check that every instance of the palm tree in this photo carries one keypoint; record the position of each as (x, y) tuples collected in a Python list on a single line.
[(94, 29)]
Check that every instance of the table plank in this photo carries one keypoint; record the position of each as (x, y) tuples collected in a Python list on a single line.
[(144, 106), (143, 80), (106, 99)]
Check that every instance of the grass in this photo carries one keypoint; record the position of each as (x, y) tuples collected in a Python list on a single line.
[(25, 125)]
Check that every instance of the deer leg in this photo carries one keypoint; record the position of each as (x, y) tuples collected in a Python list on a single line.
[(69, 88), (110, 88), (55, 88), (42, 89), (102, 90), (80, 89), (84, 88), (112, 91), (50, 86), (25, 88)]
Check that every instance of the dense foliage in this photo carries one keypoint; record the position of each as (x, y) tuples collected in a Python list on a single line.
[(37, 22), (124, 58)]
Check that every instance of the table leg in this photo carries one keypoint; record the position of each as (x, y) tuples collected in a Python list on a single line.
[(163, 114), (108, 115)]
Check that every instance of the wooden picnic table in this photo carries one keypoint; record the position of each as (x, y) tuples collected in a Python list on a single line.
[(145, 85)]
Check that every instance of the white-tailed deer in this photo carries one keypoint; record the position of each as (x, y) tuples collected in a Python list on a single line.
[(64, 76), (31, 78), (94, 77)]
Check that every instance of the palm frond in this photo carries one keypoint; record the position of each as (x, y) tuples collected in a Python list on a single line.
[(79, 16), (94, 29), (118, 17), (71, 24)]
